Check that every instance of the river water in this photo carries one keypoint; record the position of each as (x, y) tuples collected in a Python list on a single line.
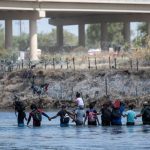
[(50, 136)]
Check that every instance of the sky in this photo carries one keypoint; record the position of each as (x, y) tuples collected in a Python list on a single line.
[(44, 27)]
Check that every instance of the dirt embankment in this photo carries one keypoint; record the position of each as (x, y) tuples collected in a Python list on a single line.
[(95, 86)]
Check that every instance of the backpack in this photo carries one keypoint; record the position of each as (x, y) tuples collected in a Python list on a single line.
[(66, 119), (91, 116), (36, 115), (146, 114), (116, 113), (19, 106)]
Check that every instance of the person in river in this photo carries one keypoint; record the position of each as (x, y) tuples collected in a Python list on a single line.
[(106, 114), (117, 113), (77, 116), (131, 115), (145, 113), (91, 116), (64, 118), (20, 113), (21, 117), (36, 115)]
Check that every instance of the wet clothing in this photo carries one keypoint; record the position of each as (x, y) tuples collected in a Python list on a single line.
[(130, 123), (79, 116), (36, 123), (106, 116), (116, 116), (92, 116), (146, 115), (64, 118), (130, 117), (20, 118)]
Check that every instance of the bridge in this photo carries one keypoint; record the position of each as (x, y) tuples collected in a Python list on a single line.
[(73, 12)]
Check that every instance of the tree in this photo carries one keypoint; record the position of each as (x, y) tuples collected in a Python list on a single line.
[(21, 43), (70, 39), (115, 34), (140, 40), (93, 36)]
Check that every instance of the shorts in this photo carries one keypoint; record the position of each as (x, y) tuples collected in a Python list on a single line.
[(130, 123), (64, 124), (146, 123), (20, 124), (79, 123), (93, 123), (106, 123), (116, 124)]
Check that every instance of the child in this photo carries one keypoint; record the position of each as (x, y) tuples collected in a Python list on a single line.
[(91, 115), (79, 100), (131, 115)]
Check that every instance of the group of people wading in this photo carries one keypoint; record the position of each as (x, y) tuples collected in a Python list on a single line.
[(111, 114)]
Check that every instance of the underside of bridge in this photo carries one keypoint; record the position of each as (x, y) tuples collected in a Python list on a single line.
[(73, 12)]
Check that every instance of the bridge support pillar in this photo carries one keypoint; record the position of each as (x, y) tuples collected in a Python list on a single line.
[(127, 33), (81, 30), (33, 39), (8, 34), (148, 28), (104, 36), (60, 37)]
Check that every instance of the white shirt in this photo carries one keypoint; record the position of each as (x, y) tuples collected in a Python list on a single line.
[(79, 101)]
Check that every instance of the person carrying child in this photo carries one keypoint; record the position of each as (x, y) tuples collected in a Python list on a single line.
[(77, 116)]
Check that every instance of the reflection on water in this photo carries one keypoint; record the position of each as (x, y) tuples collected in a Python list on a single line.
[(52, 137)]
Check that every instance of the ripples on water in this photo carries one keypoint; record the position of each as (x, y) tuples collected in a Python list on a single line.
[(50, 136)]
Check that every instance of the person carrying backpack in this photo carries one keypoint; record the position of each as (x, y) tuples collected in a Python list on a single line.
[(91, 116), (20, 113), (145, 113), (116, 114), (36, 115), (106, 115), (64, 118)]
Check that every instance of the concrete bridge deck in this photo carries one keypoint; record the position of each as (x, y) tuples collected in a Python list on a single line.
[(70, 12)]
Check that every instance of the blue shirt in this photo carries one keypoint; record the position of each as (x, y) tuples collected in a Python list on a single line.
[(130, 116), (117, 120)]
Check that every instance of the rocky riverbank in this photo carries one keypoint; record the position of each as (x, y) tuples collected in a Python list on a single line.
[(95, 85)]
